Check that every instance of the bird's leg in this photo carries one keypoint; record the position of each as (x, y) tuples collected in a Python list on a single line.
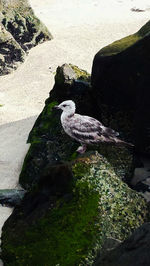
[(81, 148)]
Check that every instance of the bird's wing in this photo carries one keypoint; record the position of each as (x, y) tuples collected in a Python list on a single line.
[(88, 129), (86, 124), (84, 128)]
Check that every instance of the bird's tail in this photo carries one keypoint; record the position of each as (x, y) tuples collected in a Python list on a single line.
[(121, 142)]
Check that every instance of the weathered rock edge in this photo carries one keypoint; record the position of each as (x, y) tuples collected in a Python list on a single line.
[(120, 80)]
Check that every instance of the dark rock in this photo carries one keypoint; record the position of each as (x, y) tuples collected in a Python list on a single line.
[(11, 197), (141, 178), (71, 213), (143, 186), (20, 31), (110, 243), (25, 27), (135, 9), (73, 83), (10, 52), (74, 203), (133, 251), (120, 80)]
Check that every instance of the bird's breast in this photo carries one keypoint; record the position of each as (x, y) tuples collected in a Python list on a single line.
[(66, 125)]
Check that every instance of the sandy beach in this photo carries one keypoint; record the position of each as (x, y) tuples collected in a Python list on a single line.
[(80, 29)]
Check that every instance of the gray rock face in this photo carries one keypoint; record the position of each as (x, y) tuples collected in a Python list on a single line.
[(132, 252), (120, 79), (11, 54), (20, 31), (11, 197)]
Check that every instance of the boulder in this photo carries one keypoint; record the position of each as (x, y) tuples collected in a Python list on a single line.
[(120, 80), (133, 251), (70, 213), (20, 21), (11, 54), (11, 197), (75, 205), (20, 31)]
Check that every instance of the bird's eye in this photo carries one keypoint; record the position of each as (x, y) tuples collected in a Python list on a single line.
[(64, 105)]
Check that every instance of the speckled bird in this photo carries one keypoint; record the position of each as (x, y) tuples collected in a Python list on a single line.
[(86, 129)]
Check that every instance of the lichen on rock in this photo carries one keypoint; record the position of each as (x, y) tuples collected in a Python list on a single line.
[(73, 226), (25, 27), (11, 54)]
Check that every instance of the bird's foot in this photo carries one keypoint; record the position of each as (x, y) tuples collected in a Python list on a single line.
[(81, 149)]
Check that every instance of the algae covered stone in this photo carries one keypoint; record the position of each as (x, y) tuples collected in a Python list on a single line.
[(120, 82), (122, 44), (49, 143), (70, 228)]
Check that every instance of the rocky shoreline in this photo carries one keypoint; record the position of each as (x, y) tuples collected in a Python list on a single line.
[(78, 208)]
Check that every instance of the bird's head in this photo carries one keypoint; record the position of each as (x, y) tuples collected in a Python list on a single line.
[(67, 107)]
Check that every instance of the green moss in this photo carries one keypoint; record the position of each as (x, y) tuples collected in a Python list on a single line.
[(49, 121), (37, 139), (119, 216), (122, 44), (70, 234), (63, 238), (81, 74), (49, 145)]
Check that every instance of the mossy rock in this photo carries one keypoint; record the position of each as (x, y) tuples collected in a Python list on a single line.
[(122, 44), (81, 74), (120, 83), (11, 54), (20, 20), (50, 144), (69, 228), (20, 31)]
